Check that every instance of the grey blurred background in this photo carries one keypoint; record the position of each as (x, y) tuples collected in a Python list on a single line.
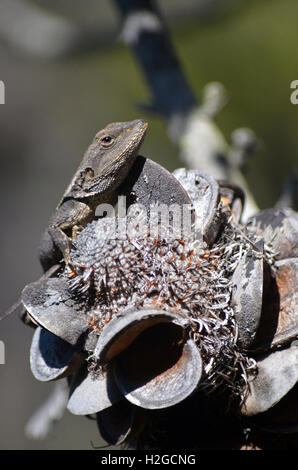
[(54, 106)]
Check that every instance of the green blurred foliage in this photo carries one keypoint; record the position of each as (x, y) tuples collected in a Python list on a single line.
[(252, 50)]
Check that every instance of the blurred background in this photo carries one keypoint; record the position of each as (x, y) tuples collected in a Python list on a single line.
[(56, 101)]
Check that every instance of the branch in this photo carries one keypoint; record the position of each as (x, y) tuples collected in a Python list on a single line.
[(40, 33), (190, 123)]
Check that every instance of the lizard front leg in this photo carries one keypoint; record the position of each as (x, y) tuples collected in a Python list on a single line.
[(56, 242)]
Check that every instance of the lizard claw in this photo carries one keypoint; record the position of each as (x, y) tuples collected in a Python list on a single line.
[(74, 269)]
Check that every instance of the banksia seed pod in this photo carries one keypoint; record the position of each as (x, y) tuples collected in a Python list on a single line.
[(154, 328)]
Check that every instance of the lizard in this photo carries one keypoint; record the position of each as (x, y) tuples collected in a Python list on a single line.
[(103, 168)]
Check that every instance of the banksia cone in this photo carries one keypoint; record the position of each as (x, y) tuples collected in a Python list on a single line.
[(158, 324)]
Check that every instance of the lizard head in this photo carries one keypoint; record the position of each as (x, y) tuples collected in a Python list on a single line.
[(109, 158)]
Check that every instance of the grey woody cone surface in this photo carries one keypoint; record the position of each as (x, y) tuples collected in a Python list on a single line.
[(248, 296), (145, 323), (157, 383)]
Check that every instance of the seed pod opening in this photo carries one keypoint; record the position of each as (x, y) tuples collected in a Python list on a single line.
[(155, 363)]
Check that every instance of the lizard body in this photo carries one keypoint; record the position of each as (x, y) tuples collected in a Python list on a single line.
[(104, 166)]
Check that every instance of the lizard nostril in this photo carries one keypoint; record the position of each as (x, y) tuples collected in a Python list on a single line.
[(89, 172)]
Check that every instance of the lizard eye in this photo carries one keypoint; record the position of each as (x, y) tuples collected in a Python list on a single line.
[(107, 140)]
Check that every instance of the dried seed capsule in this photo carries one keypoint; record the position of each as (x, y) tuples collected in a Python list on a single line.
[(204, 193), (247, 296), (51, 305), (90, 394), (45, 363), (163, 378), (279, 229), (277, 375)]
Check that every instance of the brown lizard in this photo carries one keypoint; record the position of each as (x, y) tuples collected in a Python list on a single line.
[(105, 165)]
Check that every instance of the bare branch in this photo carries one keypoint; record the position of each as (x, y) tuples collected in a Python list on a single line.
[(35, 31), (190, 124)]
